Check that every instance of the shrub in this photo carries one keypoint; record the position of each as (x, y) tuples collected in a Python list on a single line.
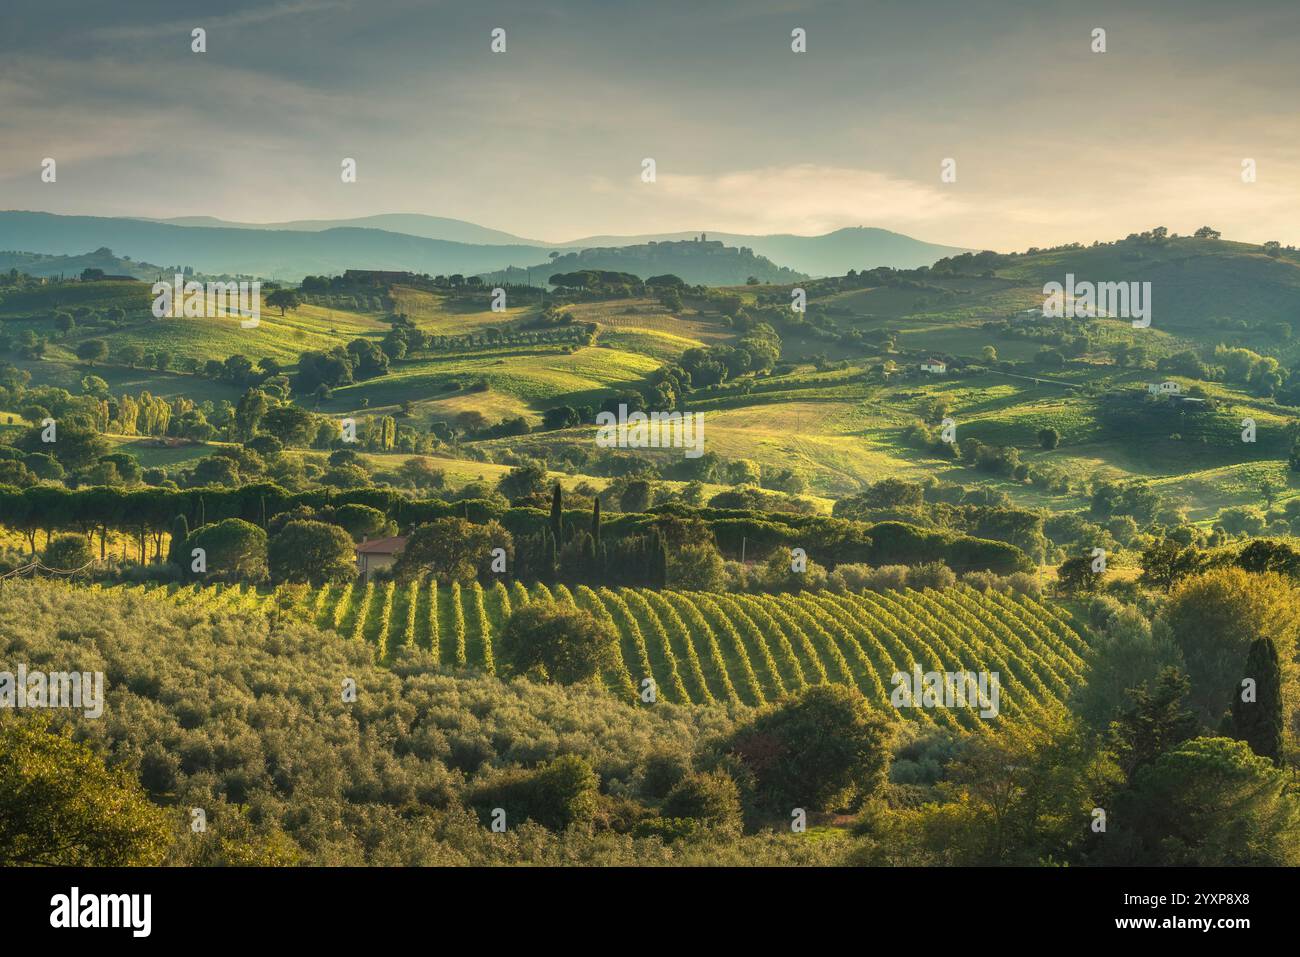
[(823, 749), (561, 794), (709, 797), (311, 552), (887, 578), (663, 769), (1023, 583), (68, 552), (931, 575), (696, 568), (568, 643), (234, 550), (850, 577)]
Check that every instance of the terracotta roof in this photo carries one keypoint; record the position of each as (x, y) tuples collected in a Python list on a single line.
[(382, 546)]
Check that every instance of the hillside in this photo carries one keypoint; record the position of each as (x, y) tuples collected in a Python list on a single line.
[(828, 413), (44, 264), (270, 253), (831, 254), (703, 648), (701, 261), (411, 224), (428, 244)]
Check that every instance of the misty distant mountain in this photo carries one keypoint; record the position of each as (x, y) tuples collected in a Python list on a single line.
[(410, 224), (269, 253), (294, 249), (831, 254)]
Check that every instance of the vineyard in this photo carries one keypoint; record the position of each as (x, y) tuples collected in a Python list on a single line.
[(702, 647)]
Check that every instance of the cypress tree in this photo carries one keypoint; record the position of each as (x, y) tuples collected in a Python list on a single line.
[(595, 521), (1259, 722), (176, 549), (587, 546), (548, 557), (557, 512)]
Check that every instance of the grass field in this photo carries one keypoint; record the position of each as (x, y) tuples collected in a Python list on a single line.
[(840, 428)]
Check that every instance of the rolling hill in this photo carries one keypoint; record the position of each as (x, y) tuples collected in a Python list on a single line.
[(831, 254), (698, 262), (415, 242), (411, 224)]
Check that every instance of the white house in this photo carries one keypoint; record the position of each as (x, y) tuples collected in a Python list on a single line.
[(374, 554), (1164, 388), (934, 366)]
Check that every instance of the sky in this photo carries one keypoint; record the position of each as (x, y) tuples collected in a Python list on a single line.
[(1052, 142)]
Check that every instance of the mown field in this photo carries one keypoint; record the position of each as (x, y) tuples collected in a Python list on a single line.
[(707, 648)]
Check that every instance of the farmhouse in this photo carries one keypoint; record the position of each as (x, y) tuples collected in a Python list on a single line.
[(934, 366), (1164, 388), (375, 277), (377, 554)]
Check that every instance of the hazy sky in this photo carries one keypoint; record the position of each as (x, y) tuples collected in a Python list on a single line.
[(1053, 143)]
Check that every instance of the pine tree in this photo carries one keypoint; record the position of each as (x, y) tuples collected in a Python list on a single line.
[(557, 513), (1259, 722)]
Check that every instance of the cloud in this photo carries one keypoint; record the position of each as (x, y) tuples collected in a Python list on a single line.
[(241, 18), (803, 198)]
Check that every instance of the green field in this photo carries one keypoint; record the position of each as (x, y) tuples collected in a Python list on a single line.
[(703, 648)]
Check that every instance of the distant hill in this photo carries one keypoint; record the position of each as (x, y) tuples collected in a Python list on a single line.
[(269, 253), (1203, 291), (291, 254), (707, 262), (1194, 282), (832, 254), (41, 264), (410, 224)]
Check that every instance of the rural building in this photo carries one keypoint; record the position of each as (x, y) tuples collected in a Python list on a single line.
[(1164, 388), (375, 277), (377, 554), (934, 366)]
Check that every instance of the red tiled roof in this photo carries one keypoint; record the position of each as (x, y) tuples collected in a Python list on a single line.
[(382, 546)]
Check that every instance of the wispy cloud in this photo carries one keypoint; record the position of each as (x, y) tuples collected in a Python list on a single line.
[(251, 16), (802, 198)]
